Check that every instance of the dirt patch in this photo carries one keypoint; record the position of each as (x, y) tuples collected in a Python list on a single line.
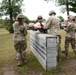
[(9, 69), (69, 67)]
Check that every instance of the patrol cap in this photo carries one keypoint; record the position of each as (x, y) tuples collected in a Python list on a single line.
[(52, 12), (39, 17), (20, 16)]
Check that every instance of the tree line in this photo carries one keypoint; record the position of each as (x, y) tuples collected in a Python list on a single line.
[(11, 8)]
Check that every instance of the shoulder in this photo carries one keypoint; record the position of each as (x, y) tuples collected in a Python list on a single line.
[(15, 24), (57, 19), (53, 18), (25, 24), (50, 18)]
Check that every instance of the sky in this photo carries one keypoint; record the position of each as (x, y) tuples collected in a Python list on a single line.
[(33, 8)]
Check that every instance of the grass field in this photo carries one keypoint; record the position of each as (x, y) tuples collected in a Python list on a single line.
[(33, 67)]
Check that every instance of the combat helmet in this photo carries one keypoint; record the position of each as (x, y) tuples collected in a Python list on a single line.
[(71, 17), (19, 16), (39, 17), (52, 12)]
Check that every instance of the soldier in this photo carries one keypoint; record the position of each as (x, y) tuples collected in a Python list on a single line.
[(40, 24), (53, 23), (20, 33), (68, 21), (70, 36)]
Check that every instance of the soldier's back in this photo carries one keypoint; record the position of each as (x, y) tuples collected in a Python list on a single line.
[(55, 25)]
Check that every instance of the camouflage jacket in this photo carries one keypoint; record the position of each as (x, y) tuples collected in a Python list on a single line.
[(19, 31), (71, 30), (53, 23)]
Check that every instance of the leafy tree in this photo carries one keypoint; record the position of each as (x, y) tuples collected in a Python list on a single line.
[(10, 8), (62, 19), (26, 20), (72, 6), (67, 5)]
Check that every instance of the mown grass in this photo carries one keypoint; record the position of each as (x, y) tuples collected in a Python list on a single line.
[(7, 53), (6, 47), (33, 66)]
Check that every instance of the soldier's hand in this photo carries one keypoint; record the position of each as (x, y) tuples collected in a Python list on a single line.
[(31, 24)]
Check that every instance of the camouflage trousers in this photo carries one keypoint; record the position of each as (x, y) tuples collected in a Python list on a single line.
[(73, 44), (20, 47)]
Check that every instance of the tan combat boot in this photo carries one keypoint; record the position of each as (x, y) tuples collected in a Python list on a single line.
[(19, 63)]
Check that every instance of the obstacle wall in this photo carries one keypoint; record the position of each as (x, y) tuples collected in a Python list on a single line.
[(44, 47)]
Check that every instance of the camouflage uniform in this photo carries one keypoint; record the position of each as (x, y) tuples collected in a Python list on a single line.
[(20, 44), (53, 23), (41, 24), (70, 37)]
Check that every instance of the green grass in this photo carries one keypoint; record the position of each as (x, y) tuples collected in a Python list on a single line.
[(6, 46), (7, 53)]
